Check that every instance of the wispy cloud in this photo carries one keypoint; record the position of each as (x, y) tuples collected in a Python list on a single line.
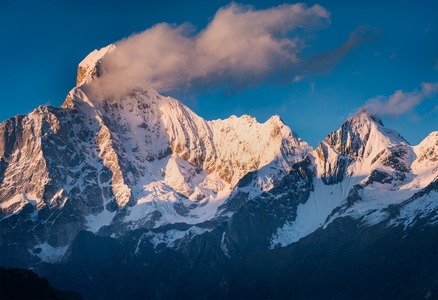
[(240, 47), (324, 62), (401, 102)]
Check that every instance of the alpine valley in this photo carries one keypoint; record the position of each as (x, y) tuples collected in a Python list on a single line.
[(134, 196)]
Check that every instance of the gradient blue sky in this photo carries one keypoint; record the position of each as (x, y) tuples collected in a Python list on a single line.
[(42, 42)]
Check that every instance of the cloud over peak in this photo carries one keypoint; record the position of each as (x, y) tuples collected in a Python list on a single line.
[(240, 47)]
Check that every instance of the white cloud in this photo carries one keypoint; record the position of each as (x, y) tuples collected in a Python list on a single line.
[(240, 47), (401, 102)]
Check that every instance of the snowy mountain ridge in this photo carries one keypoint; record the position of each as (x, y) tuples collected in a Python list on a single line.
[(362, 170), (141, 161)]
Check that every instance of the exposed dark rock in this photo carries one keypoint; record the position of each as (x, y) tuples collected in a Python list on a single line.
[(380, 177), (24, 284)]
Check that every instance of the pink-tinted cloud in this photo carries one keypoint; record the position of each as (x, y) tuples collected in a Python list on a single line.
[(240, 47), (401, 102)]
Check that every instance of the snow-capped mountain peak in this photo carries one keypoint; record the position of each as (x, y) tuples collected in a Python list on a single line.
[(360, 134), (88, 68), (360, 140), (147, 160)]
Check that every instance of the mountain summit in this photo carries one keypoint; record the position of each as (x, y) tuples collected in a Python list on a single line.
[(134, 182), (140, 160)]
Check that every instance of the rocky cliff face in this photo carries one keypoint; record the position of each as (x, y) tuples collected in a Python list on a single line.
[(140, 176)]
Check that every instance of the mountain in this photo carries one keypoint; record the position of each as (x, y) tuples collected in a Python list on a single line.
[(25, 284), (135, 196)]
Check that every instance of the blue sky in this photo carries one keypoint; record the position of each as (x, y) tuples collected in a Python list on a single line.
[(390, 64)]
